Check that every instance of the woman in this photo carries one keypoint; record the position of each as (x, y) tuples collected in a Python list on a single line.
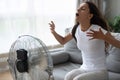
[(93, 51)]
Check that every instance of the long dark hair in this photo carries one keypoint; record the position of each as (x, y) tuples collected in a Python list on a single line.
[(96, 19)]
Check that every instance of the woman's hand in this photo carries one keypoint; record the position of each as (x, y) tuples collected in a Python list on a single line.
[(96, 34), (52, 26)]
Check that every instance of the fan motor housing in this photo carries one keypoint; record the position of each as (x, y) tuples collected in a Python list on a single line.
[(22, 61)]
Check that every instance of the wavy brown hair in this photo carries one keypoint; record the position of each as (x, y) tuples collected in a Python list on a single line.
[(97, 18)]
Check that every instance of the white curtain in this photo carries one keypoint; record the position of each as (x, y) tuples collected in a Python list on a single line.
[(31, 17)]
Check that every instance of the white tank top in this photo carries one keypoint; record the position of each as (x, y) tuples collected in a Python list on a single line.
[(93, 51)]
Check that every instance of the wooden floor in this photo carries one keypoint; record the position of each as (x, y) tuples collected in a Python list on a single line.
[(5, 76)]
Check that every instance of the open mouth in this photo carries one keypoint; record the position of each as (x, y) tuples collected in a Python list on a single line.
[(77, 14)]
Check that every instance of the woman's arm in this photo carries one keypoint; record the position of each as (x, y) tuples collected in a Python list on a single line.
[(62, 40), (106, 37)]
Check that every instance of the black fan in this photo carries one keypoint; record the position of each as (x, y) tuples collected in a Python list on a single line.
[(29, 59)]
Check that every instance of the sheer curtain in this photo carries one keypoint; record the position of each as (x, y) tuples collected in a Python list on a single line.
[(31, 17)]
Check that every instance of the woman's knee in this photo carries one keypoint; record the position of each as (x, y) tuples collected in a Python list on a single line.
[(92, 76)]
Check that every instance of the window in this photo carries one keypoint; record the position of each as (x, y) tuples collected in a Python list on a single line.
[(31, 17)]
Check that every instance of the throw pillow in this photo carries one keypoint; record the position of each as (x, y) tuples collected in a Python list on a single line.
[(113, 59), (71, 48)]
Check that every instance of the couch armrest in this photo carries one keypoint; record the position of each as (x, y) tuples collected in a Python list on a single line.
[(59, 57)]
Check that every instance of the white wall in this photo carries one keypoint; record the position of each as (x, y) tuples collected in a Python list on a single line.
[(112, 8)]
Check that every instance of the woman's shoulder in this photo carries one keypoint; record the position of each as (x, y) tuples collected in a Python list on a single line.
[(95, 27)]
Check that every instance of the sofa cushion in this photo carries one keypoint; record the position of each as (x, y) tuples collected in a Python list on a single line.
[(114, 76), (71, 48), (113, 59), (61, 70), (59, 57), (75, 53)]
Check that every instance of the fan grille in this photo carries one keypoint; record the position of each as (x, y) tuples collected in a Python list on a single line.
[(39, 60)]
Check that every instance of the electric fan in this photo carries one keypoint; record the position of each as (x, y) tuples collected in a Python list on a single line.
[(29, 59)]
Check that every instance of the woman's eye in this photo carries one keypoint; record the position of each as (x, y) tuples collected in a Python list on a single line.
[(83, 9)]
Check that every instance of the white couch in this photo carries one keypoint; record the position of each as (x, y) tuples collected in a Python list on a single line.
[(70, 58)]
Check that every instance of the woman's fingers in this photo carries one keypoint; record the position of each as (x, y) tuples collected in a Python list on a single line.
[(96, 34), (52, 26)]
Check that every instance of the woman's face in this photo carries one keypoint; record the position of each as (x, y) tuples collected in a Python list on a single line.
[(83, 13)]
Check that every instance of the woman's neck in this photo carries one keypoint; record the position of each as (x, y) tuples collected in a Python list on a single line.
[(84, 27)]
